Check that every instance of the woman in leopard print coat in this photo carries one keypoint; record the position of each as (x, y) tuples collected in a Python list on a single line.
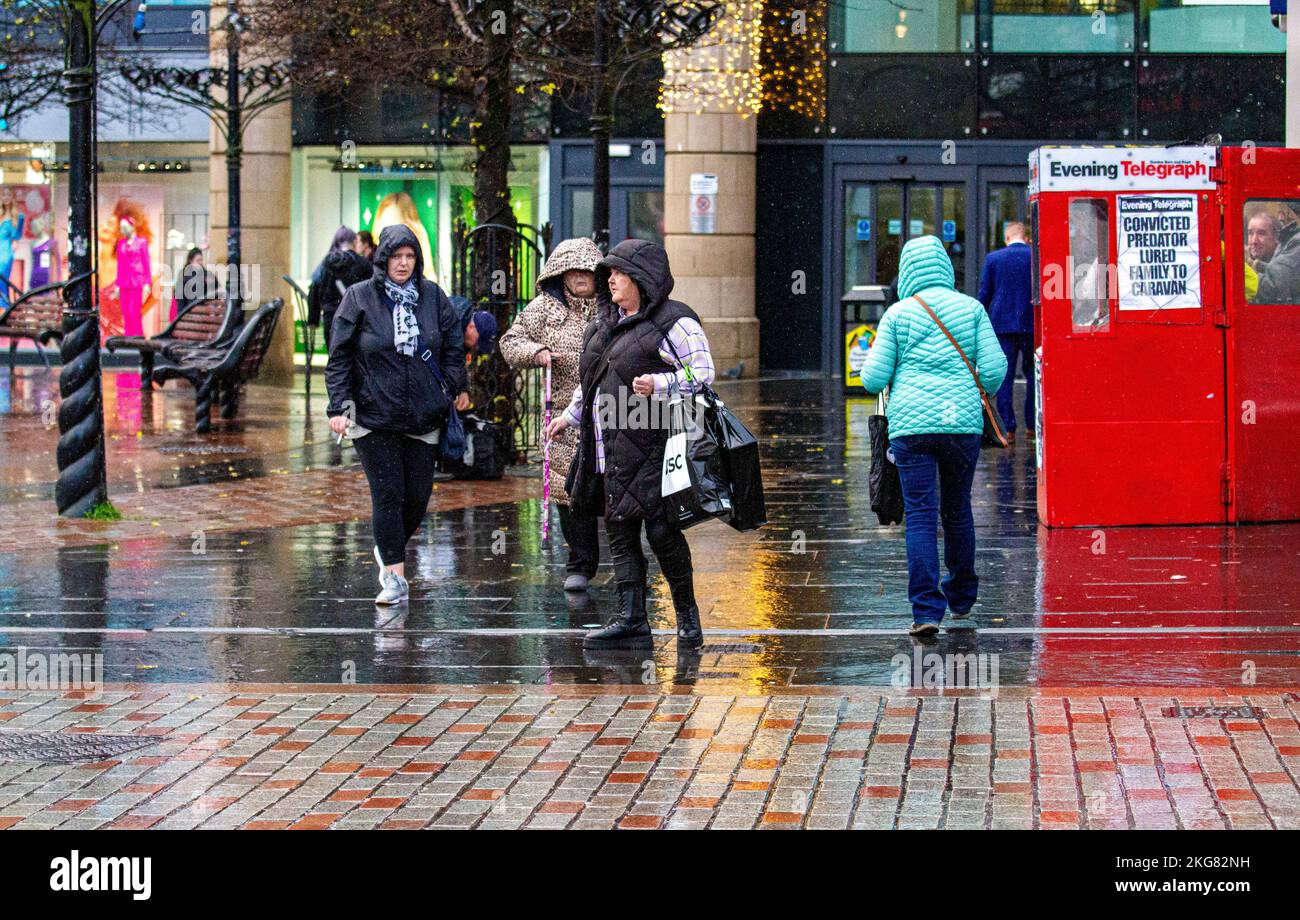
[(549, 331)]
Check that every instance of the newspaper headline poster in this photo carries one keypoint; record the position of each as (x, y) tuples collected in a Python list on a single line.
[(1159, 253)]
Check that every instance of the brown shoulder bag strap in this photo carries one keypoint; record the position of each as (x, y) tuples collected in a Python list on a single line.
[(970, 367)]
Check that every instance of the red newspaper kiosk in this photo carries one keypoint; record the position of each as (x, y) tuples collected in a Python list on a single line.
[(1168, 334)]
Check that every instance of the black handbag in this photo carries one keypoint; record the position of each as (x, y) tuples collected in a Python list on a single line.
[(884, 483), (451, 437), (994, 432), (721, 457), (744, 472), (692, 480)]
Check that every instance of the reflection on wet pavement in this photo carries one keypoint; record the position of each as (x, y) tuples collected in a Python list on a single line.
[(818, 597)]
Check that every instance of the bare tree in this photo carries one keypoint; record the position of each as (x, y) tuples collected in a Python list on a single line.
[(491, 52), (31, 57), (462, 47), (591, 48)]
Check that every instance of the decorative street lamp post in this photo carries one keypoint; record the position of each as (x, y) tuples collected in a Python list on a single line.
[(83, 480), (231, 97)]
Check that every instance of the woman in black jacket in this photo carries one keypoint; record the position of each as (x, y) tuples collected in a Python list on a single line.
[(195, 283), (341, 268), (387, 399), (634, 351)]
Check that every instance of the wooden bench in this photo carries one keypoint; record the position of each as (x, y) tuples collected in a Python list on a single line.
[(219, 372), (204, 322), (36, 315)]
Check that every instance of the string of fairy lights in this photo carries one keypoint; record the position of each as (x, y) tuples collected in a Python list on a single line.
[(794, 58), (721, 72), (761, 53)]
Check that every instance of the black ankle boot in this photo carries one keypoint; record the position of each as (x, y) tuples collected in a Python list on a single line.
[(682, 588), (630, 628), (689, 632)]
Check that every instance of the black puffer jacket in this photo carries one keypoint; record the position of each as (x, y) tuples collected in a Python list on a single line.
[(615, 352), (391, 391)]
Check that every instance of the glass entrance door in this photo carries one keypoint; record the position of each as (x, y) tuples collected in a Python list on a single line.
[(1006, 203), (879, 217), (634, 213)]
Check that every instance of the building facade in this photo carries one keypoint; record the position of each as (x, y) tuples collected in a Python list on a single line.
[(931, 111), (153, 166), (880, 121)]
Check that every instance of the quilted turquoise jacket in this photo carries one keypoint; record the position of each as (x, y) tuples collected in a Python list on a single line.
[(930, 389)]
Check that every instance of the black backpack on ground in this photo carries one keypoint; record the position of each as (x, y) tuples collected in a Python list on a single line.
[(485, 454)]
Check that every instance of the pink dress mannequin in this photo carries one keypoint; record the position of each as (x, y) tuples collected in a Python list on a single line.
[(133, 276)]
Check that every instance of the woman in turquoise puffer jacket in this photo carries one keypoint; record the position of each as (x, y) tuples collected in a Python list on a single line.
[(935, 421)]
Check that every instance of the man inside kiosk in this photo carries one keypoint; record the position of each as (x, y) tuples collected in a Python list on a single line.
[(1272, 252)]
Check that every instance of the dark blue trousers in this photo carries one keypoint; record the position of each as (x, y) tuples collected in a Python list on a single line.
[(936, 472), (1014, 343)]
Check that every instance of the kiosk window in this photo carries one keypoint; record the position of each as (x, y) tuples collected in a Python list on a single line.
[(1033, 245), (1090, 264), (1271, 262)]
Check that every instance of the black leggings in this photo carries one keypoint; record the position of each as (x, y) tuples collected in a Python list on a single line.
[(400, 472), (670, 548), (582, 534)]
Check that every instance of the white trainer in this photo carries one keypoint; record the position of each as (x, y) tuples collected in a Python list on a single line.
[(396, 589), (379, 561)]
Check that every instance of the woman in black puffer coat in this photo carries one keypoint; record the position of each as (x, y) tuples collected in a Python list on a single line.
[(633, 352)]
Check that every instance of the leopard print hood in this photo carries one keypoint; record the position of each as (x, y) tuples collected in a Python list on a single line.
[(580, 254)]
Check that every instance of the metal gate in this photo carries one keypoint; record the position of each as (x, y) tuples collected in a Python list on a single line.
[(495, 267)]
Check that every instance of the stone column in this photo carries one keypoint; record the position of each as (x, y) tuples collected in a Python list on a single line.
[(266, 208), (711, 126)]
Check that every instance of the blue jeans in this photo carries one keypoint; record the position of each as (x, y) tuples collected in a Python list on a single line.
[(1023, 344), (936, 471)]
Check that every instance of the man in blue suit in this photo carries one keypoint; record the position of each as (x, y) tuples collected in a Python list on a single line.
[(1005, 293)]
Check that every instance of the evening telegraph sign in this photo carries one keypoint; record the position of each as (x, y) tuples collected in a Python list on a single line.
[(1120, 168)]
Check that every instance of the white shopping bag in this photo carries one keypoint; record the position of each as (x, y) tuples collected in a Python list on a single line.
[(675, 476)]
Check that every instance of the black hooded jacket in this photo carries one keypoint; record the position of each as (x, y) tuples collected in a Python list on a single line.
[(389, 390), (323, 295), (615, 352)]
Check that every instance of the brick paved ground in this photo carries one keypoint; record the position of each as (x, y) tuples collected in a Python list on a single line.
[(466, 757)]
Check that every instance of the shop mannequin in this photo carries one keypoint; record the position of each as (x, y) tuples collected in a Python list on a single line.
[(133, 277), (45, 255), (11, 229)]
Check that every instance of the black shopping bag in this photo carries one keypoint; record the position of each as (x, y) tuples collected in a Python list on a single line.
[(744, 474), (693, 479), (885, 485)]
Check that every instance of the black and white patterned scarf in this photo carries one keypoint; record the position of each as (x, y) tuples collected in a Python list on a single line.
[(406, 330)]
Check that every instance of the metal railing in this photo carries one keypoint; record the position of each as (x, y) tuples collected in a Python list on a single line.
[(495, 267)]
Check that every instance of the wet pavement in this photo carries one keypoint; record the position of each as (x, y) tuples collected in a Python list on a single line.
[(1139, 677), (245, 557)]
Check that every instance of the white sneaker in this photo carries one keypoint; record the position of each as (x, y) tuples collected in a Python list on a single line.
[(379, 561), (396, 589)]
